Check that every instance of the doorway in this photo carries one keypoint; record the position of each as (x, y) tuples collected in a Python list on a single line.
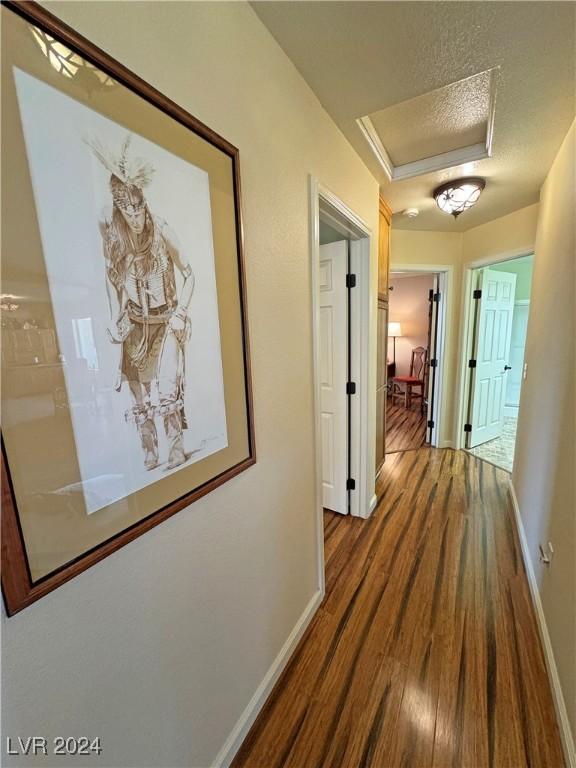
[(341, 311), (410, 334), (498, 299), (418, 299)]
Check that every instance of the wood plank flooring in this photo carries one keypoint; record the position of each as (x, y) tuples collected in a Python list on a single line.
[(405, 429), (425, 651)]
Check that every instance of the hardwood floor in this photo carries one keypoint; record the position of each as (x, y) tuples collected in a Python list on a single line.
[(425, 650), (405, 429)]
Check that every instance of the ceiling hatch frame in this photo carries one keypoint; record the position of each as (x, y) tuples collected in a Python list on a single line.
[(439, 162)]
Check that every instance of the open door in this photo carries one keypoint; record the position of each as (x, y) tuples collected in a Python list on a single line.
[(434, 297), (334, 375), (490, 356), (517, 347)]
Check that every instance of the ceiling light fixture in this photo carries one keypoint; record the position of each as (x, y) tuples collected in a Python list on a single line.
[(458, 195)]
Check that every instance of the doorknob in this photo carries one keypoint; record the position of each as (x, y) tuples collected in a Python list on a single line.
[(507, 367)]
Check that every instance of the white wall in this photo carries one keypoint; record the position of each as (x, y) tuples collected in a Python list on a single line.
[(159, 648), (408, 303), (545, 451)]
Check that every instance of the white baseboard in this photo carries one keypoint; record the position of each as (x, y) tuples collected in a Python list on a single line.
[(558, 696), (373, 503), (446, 444), (249, 715)]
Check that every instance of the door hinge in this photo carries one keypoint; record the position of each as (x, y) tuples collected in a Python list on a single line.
[(477, 293), (437, 296), (350, 281), (350, 484), (471, 363), (350, 387), (430, 424), (433, 363), (467, 427)]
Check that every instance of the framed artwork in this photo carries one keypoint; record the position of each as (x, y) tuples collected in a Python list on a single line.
[(125, 365)]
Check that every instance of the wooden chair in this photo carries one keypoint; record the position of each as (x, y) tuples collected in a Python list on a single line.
[(416, 379)]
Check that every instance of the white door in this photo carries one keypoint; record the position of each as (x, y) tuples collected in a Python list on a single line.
[(491, 352), (433, 360), (334, 374), (517, 344)]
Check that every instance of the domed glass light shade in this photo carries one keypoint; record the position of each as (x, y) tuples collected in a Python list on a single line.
[(458, 195)]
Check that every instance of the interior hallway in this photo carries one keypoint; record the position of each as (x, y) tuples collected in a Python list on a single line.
[(425, 651)]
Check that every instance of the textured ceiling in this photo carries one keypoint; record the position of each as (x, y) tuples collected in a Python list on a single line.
[(362, 58), (446, 119)]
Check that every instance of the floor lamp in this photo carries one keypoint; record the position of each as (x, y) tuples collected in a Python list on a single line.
[(394, 330)]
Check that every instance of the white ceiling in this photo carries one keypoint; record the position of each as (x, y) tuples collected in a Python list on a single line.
[(388, 60)]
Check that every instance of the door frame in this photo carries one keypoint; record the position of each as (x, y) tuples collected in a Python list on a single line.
[(466, 333), (362, 324), (445, 274)]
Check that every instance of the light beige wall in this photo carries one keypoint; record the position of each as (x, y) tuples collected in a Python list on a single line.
[(545, 452), (437, 249), (409, 305), (422, 247), (159, 648), (511, 235)]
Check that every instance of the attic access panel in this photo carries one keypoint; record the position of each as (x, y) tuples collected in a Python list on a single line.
[(437, 130)]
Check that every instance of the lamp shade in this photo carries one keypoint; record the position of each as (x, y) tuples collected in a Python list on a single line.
[(394, 329), (457, 196)]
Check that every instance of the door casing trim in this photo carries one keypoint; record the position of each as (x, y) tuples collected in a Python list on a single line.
[(445, 274), (467, 318), (362, 439)]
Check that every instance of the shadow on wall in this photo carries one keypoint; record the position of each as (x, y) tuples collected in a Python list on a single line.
[(409, 307)]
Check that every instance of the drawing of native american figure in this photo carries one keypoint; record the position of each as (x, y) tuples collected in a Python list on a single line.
[(148, 319)]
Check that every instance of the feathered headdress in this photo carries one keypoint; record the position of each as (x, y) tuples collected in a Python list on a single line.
[(130, 170)]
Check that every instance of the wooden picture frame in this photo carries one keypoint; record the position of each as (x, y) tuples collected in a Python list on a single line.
[(50, 533)]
